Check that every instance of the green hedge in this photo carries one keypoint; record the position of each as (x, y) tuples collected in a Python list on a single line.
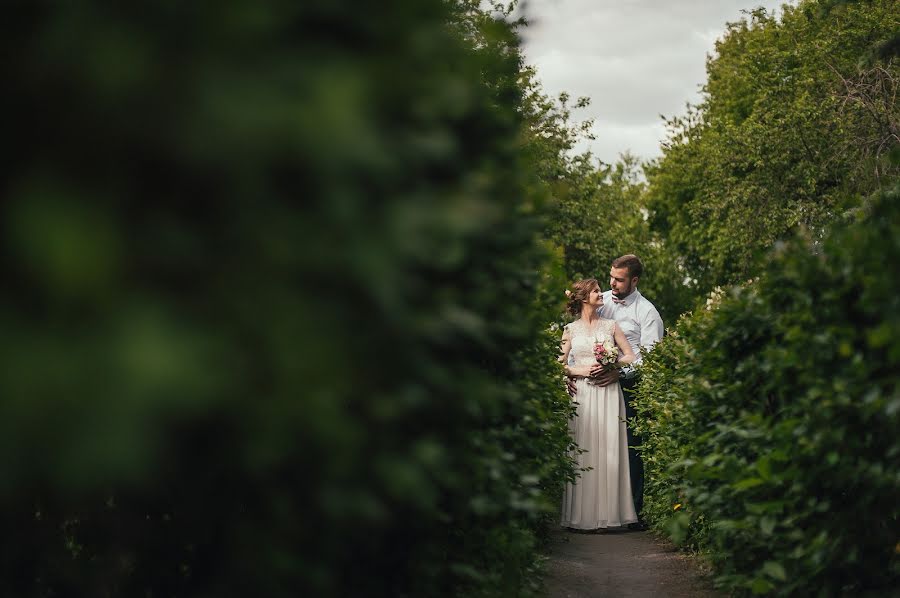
[(771, 419), (272, 302)]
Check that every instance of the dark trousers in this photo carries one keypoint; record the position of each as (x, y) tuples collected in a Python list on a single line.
[(635, 464)]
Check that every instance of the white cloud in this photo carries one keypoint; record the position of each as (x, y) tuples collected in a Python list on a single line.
[(613, 139), (635, 59)]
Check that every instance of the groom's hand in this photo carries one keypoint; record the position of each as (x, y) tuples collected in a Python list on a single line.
[(570, 386), (603, 376)]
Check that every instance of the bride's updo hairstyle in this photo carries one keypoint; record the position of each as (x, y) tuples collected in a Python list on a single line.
[(579, 293)]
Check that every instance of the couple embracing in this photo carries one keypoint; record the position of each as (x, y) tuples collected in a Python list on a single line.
[(599, 349)]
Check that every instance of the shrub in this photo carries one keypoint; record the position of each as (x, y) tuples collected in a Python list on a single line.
[(272, 301), (772, 419)]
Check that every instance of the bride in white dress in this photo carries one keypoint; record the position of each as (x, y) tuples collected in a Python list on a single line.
[(601, 497)]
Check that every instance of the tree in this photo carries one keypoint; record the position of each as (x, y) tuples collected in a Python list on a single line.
[(785, 138)]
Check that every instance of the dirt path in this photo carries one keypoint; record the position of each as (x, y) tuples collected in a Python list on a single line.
[(620, 564)]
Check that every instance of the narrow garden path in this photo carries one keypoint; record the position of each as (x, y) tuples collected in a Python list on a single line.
[(621, 564)]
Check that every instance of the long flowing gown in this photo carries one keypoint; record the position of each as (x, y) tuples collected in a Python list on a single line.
[(601, 497)]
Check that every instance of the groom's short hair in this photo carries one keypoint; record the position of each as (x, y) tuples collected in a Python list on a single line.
[(632, 262)]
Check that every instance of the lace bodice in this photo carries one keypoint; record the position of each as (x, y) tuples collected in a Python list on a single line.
[(583, 338)]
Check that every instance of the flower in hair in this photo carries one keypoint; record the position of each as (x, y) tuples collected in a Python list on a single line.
[(568, 293)]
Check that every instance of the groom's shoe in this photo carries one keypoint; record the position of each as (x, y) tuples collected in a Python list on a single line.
[(638, 526)]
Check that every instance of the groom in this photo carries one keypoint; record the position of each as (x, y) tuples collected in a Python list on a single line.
[(643, 327)]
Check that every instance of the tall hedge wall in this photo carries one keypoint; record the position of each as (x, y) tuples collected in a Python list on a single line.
[(271, 308), (771, 419)]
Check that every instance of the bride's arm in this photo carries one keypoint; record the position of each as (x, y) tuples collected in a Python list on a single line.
[(626, 353), (566, 346)]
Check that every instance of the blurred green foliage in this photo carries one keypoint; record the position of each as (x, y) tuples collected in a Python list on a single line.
[(274, 303), (770, 419)]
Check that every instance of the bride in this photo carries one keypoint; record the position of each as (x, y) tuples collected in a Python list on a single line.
[(601, 497)]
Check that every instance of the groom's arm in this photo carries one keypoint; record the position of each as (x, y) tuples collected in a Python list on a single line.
[(651, 333), (652, 329)]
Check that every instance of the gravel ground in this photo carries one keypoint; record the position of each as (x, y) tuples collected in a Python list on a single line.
[(622, 564)]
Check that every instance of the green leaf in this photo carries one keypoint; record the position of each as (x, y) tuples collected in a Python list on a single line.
[(775, 570), (761, 586), (747, 483)]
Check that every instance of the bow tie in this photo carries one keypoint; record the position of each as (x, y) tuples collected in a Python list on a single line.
[(618, 301)]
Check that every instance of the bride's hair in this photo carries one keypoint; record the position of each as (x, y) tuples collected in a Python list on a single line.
[(579, 293)]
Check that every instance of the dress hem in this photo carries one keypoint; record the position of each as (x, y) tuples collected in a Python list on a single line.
[(606, 526)]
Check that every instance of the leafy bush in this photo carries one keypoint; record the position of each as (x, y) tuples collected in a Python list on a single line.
[(272, 301), (770, 420), (796, 122)]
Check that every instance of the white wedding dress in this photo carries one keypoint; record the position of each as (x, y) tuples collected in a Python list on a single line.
[(602, 496)]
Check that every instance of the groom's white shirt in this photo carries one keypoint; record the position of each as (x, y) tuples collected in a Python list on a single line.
[(638, 319)]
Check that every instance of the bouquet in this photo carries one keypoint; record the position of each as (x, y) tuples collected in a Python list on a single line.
[(606, 352)]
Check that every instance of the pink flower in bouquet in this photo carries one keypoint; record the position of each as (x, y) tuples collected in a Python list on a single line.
[(606, 352)]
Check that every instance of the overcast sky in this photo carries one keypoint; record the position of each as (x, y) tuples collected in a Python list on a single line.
[(635, 60)]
